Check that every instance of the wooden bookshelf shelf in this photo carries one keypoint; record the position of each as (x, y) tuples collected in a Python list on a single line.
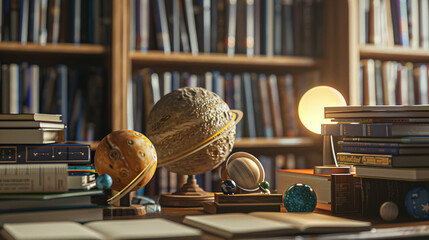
[(93, 144), (237, 63), (396, 53), (276, 145), (60, 48)]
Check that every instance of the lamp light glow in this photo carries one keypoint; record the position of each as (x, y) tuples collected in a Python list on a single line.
[(312, 105)]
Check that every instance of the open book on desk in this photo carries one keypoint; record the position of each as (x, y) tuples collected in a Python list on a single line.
[(265, 224), (97, 230)]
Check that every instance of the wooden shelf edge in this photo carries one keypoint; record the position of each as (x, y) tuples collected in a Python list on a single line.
[(93, 144), (291, 142), (156, 58), (60, 48), (396, 53)]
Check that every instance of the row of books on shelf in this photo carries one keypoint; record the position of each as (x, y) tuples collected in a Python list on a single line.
[(29, 88), (394, 22), (39, 182), (268, 101), (219, 26), (393, 83), (56, 21)]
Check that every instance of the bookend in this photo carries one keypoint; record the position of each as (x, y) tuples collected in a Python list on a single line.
[(125, 208), (244, 203), (189, 195)]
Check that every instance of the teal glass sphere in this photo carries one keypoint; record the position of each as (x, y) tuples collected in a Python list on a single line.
[(300, 198), (104, 181)]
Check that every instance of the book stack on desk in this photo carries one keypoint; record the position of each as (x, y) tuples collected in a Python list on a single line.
[(387, 143), (244, 203), (35, 163)]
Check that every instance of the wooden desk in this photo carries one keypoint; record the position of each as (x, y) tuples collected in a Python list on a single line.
[(178, 214)]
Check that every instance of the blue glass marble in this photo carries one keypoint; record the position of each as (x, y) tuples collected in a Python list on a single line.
[(300, 198), (417, 203), (104, 181), (228, 186)]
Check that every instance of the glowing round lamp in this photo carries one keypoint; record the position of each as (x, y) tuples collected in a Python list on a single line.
[(311, 111), (312, 106)]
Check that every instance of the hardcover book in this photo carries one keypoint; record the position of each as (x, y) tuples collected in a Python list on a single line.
[(266, 224), (379, 160), (31, 136), (47, 153), (26, 178), (32, 117), (375, 130), (114, 229), (408, 174)]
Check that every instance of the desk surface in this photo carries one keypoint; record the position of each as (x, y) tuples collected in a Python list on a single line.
[(178, 214)]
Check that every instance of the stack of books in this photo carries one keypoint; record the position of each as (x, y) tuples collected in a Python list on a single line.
[(42, 177), (388, 145)]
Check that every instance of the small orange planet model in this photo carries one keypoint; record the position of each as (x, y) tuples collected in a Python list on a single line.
[(123, 155)]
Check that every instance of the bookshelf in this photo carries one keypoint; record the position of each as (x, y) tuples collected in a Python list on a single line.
[(396, 53), (353, 51), (135, 59), (89, 57)]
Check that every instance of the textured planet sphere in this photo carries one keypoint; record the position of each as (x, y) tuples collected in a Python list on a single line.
[(123, 155), (228, 186), (182, 121), (300, 198), (417, 203), (104, 181), (389, 211)]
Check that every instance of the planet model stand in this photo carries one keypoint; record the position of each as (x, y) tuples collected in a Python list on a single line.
[(189, 195)]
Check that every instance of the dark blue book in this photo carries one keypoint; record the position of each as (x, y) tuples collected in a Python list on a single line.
[(23, 21), (61, 92), (47, 153), (385, 150), (249, 114), (91, 22), (5, 34), (386, 144), (375, 130)]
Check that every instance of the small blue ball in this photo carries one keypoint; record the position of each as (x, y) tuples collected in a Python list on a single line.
[(300, 198), (228, 186), (417, 203), (104, 181)]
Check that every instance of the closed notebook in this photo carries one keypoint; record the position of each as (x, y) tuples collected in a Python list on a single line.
[(265, 224), (110, 229)]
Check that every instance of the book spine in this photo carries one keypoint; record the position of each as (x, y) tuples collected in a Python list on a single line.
[(191, 27), (24, 178), (370, 150), (345, 194), (232, 21), (361, 159), (357, 130), (56, 153)]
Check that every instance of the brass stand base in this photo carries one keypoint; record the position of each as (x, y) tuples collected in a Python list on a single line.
[(331, 169), (110, 212), (190, 195)]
